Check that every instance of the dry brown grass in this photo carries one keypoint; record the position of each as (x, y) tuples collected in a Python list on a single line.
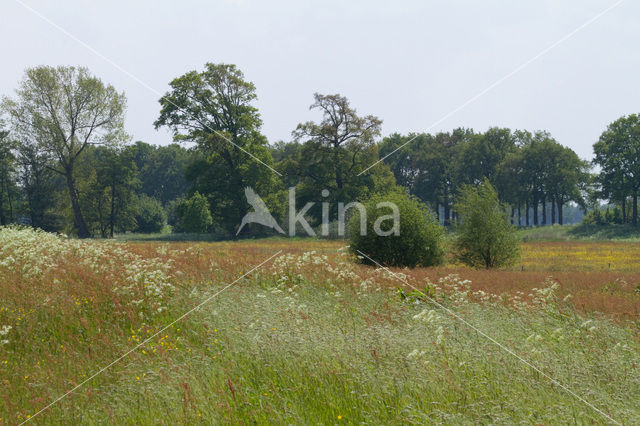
[(600, 277)]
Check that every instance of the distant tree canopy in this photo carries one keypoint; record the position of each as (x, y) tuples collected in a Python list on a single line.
[(617, 152), (66, 163), (530, 171), (162, 170)]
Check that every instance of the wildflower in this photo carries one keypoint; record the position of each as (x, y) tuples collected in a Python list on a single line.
[(415, 354)]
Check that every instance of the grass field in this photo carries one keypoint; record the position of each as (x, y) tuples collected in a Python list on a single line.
[(311, 336), (581, 232)]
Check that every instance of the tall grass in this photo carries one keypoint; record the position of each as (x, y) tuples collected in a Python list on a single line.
[(309, 338)]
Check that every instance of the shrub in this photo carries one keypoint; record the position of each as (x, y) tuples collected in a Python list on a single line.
[(193, 214), (416, 241), (599, 216), (484, 236), (150, 217)]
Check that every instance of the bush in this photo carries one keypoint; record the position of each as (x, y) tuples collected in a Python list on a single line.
[(608, 216), (193, 214), (416, 241), (484, 236), (150, 217)]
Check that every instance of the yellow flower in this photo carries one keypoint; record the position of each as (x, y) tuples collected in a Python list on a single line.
[(339, 417)]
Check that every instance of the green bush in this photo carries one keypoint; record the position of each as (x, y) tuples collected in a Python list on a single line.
[(193, 214), (484, 236), (416, 241), (608, 216), (150, 216)]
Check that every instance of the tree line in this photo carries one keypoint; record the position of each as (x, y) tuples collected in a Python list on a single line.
[(533, 173), (67, 164)]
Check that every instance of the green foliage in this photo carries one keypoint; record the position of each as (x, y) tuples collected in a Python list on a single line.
[(193, 214), (9, 192), (617, 152), (107, 180), (484, 237), (417, 240), (42, 189), (150, 216), (213, 108), (162, 170), (332, 154), (528, 169), (608, 216), (63, 110), (427, 165)]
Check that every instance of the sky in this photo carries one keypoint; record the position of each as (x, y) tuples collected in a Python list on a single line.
[(410, 63)]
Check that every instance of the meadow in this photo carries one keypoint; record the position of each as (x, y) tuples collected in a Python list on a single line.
[(311, 336)]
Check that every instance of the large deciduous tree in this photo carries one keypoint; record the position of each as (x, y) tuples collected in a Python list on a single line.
[(64, 110), (213, 108), (8, 169), (336, 150), (617, 152)]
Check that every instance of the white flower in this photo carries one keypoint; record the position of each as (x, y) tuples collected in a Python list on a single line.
[(415, 354)]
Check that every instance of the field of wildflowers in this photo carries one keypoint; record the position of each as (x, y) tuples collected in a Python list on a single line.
[(312, 336)]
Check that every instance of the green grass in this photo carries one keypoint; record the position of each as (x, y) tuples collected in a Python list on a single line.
[(308, 352), (581, 232), (306, 340)]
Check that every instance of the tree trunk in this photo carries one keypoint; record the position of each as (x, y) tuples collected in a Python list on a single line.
[(544, 211), (447, 211), (553, 211), (112, 216), (513, 213), (535, 211), (337, 165), (78, 220), (560, 220), (635, 207), (519, 215), (624, 209), (526, 212), (11, 218), (3, 220)]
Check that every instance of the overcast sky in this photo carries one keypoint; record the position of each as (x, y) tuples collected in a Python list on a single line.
[(408, 62)]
